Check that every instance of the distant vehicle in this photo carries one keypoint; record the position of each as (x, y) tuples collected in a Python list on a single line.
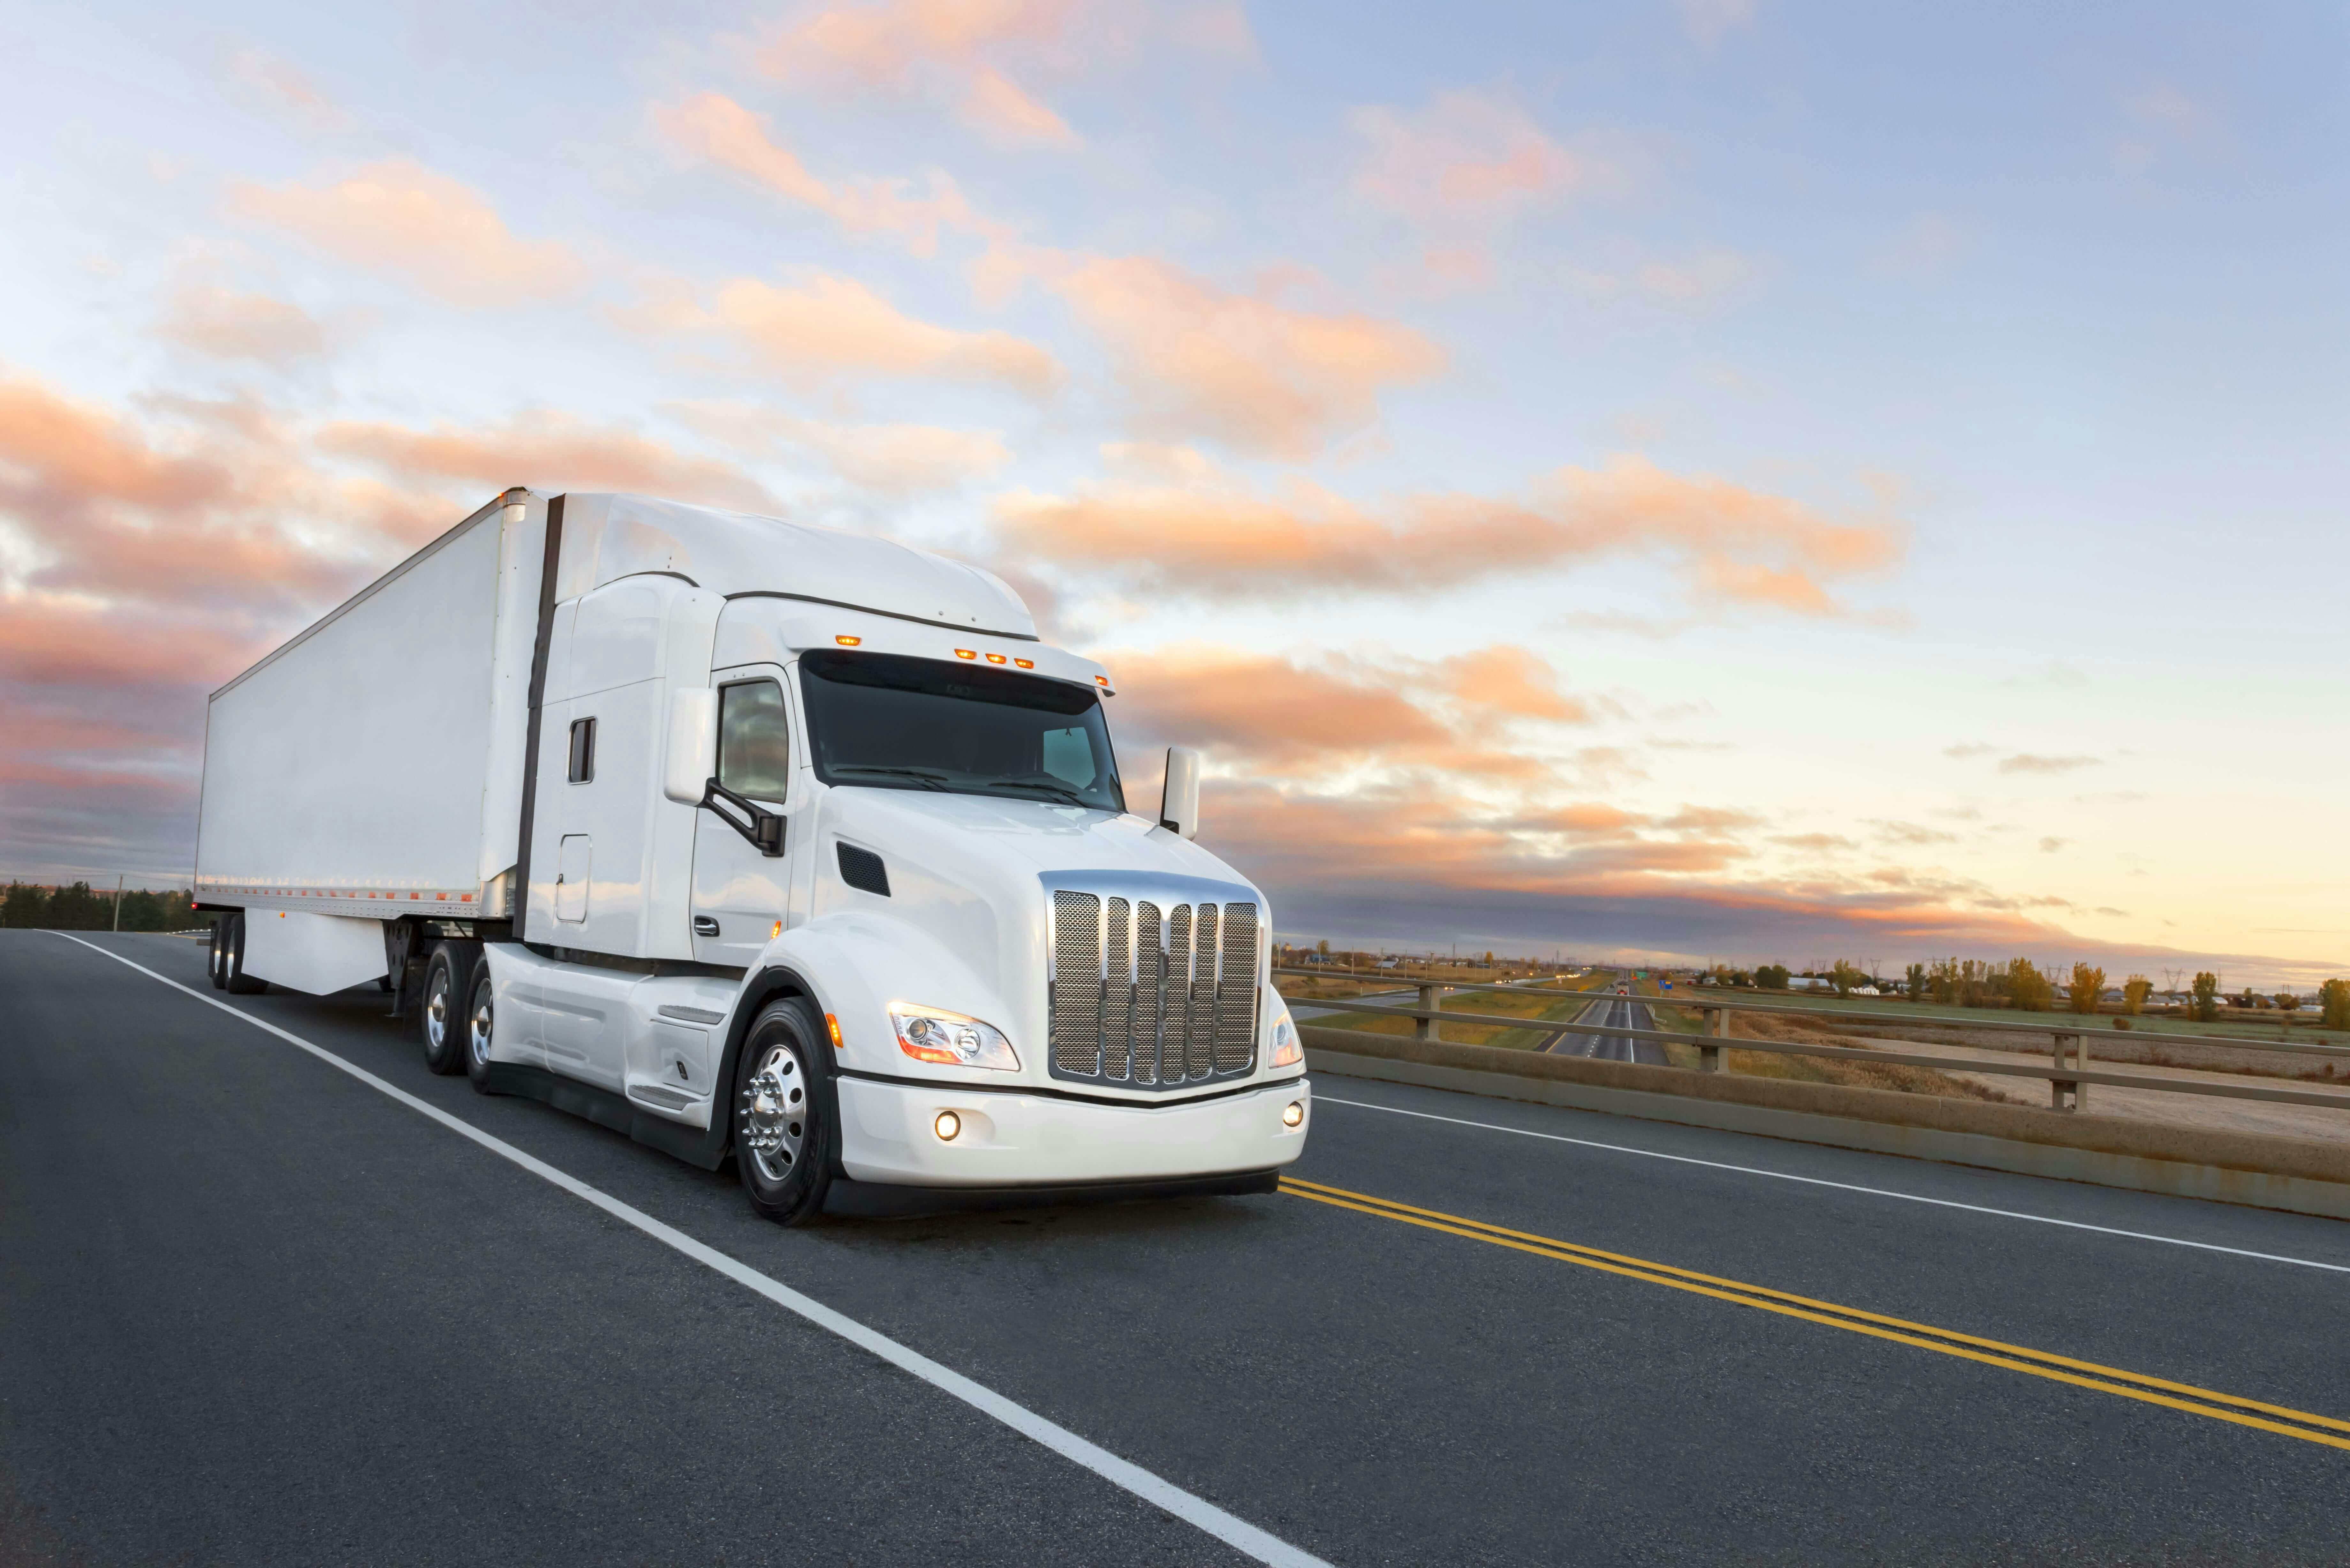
[(1623, 990), (756, 841)]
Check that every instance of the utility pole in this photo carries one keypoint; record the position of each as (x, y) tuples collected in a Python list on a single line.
[(118, 902)]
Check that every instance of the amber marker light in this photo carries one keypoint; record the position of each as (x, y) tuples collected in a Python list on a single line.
[(846, 641), (966, 653), (832, 1027), (776, 932), (1026, 663), (995, 658), (1101, 680)]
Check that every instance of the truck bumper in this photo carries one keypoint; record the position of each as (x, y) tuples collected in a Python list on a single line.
[(1011, 1139)]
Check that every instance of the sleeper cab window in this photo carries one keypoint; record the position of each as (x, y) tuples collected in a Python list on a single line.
[(754, 743), (583, 749)]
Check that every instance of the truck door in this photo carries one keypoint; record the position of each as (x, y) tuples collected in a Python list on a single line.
[(741, 897)]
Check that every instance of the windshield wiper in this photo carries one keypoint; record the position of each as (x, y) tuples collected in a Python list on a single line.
[(928, 778), (1061, 791)]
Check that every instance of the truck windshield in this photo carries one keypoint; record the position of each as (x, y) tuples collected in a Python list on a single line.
[(891, 722)]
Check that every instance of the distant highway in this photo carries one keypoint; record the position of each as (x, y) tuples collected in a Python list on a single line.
[(273, 1293), (1613, 1012)]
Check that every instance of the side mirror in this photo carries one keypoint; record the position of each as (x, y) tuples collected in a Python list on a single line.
[(693, 751), (1178, 807)]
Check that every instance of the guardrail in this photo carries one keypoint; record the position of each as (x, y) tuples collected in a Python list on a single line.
[(2067, 1080)]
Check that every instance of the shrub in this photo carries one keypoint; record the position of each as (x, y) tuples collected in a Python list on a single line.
[(2088, 986), (2027, 988), (2207, 997)]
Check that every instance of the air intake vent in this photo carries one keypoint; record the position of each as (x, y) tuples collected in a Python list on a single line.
[(862, 870)]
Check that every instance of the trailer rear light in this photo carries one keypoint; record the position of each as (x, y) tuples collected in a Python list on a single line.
[(951, 1039), (947, 1126), (1026, 663), (995, 658), (846, 641), (966, 653)]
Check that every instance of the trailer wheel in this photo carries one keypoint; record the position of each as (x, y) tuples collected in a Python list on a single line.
[(786, 1138), (443, 1012), (481, 1022), (216, 958), (232, 967)]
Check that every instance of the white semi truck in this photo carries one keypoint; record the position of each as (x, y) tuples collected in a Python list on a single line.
[(754, 840)]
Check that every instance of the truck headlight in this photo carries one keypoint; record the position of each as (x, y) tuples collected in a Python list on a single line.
[(1287, 1052), (932, 1034)]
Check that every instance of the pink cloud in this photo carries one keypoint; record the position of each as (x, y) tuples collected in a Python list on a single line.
[(1181, 523), (1239, 367), (1478, 155), (224, 324), (815, 325), (714, 126), (400, 217), (547, 451), (946, 47)]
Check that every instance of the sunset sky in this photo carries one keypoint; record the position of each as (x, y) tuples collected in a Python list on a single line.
[(1739, 478)]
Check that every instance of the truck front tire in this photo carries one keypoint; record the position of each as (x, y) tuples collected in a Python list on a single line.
[(233, 964), (785, 1129), (448, 990)]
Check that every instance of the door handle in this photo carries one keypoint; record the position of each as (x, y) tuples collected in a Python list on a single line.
[(704, 926)]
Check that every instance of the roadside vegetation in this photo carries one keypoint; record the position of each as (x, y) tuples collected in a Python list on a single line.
[(76, 907)]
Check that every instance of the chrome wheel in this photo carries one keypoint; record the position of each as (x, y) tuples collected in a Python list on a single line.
[(772, 1113), (477, 1027), (436, 1012)]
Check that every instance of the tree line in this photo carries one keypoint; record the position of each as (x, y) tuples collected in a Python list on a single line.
[(2025, 987), (77, 907)]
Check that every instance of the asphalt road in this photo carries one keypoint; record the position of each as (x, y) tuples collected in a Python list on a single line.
[(1613, 1012), (255, 1311)]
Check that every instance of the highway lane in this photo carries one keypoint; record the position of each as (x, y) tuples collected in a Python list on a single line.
[(252, 1310), (1613, 1012)]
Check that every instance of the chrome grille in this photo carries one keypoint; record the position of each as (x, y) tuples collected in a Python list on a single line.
[(1150, 988), (1077, 1007)]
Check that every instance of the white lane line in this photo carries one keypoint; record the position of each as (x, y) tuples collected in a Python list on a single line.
[(1323, 1099), (1235, 1532)]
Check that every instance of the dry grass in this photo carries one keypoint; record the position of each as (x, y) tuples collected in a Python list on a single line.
[(1898, 1075)]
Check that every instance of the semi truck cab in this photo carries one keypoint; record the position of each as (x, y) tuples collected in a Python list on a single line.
[(820, 860)]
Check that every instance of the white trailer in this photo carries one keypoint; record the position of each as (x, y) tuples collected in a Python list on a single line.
[(758, 841)]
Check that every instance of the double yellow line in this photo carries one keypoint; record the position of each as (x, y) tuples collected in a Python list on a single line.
[(2161, 1391)]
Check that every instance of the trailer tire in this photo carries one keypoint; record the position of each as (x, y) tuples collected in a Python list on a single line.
[(481, 1022), (216, 959), (448, 974), (234, 980), (786, 1128)]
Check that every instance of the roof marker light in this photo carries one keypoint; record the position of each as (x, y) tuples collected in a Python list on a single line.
[(995, 658), (966, 653), (1101, 680), (1026, 663), (846, 641)]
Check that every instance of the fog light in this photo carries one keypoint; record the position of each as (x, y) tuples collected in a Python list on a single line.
[(947, 1125), (1293, 1115)]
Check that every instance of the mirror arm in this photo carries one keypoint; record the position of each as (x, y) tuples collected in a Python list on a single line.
[(763, 827)]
